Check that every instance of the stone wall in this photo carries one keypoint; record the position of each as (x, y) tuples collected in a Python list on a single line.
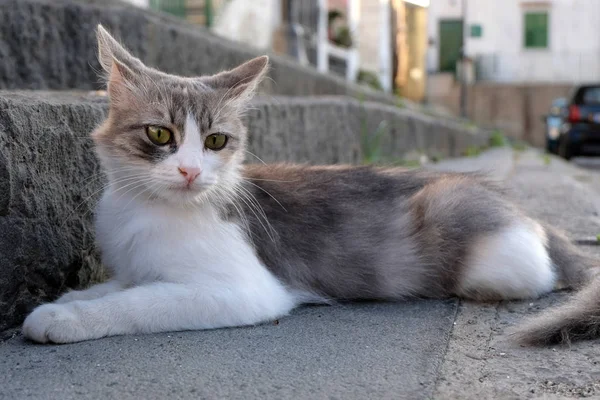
[(50, 179), (51, 44), (516, 109)]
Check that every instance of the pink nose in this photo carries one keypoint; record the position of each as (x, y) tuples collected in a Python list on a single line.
[(190, 174)]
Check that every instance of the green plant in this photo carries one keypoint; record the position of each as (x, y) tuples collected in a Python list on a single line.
[(497, 139), (371, 143), (340, 34), (519, 146), (546, 158), (369, 78), (436, 157), (342, 37), (334, 15), (469, 124), (473, 151)]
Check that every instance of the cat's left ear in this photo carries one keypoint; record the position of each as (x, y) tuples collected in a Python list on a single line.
[(240, 82), (122, 69)]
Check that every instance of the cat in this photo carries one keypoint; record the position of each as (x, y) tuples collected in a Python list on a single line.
[(195, 239)]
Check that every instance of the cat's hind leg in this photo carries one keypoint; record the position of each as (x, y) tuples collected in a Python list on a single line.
[(512, 263)]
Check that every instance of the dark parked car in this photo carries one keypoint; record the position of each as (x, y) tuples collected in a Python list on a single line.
[(580, 130)]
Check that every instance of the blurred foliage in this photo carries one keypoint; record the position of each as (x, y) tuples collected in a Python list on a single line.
[(371, 142), (519, 145), (547, 158), (341, 34), (342, 37), (497, 139), (473, 151), (369, 78)]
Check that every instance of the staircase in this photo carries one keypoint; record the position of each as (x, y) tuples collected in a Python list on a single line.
[(50, 179)]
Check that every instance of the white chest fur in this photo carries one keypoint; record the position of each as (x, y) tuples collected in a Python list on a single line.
[(143, 243), (173, 270)]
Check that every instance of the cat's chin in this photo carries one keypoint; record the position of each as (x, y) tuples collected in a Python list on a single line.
[(183, 195)]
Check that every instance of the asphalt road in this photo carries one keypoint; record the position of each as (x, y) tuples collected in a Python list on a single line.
[(591, 163)]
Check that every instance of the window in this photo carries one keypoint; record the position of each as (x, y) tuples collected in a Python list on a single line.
[(536, 30), (476, 31), (588, 95)]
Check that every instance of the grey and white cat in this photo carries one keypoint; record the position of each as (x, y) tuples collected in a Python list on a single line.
[(197, 240)]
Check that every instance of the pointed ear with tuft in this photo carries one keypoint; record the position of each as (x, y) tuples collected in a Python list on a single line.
[(120, 66), (242, 81)]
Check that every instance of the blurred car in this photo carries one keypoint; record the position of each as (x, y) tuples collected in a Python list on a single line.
[(580, 129), (554, 122)]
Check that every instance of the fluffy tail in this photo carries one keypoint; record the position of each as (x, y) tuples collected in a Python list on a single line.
[(579, 317)]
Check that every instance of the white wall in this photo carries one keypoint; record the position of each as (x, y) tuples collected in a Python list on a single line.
[(573, 53), (248, 22), (368, 42)]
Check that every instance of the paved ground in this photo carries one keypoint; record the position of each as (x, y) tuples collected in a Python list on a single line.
[(416, 350), (587, 162), (482, 362)]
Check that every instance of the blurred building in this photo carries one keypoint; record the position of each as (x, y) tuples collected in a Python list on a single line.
[(517, 40), (520, 55), (196, 11), (381, 43), (410, 30)]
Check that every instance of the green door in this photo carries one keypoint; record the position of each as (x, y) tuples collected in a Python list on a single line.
[(451, 41)]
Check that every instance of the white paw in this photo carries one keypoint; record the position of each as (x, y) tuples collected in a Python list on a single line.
[(56, 323)]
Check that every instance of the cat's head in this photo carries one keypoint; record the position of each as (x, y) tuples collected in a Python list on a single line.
[(172, 138)]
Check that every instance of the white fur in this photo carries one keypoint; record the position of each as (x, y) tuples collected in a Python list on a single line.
[(94, 292), (510, 264), (175, 268), (183, 269)]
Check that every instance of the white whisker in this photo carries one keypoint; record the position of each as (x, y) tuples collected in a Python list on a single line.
[(273, 197)]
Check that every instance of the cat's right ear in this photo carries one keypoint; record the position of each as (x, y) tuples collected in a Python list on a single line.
[(241, 82), (120, 66)]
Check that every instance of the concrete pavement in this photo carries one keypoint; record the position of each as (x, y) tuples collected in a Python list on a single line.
[(482, 362), (415, 350), (343, 352)]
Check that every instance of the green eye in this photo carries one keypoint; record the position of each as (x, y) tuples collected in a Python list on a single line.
[(216, 141), (159, 136)]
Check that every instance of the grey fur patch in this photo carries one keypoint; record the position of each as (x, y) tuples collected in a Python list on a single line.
[(368, 233)]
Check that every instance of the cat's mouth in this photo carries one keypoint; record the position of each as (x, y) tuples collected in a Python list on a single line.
[(187, 189)]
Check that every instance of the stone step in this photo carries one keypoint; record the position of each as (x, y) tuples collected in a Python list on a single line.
[(51, 44), (50, 179)]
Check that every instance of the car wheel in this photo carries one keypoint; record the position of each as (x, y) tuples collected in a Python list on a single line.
[(564, 150)]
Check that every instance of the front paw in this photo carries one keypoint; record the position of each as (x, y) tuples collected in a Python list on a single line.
[(56, 323)]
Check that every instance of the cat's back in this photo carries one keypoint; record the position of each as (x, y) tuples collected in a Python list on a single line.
[(307, 183), (367, 223)]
